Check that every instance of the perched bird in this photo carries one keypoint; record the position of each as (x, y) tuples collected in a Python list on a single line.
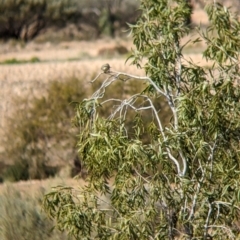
[(105, 68)]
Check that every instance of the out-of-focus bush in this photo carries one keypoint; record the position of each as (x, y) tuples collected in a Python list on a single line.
[(21, 218), (26, 19), (39, 136)]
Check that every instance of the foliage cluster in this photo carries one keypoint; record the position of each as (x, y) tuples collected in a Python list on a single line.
[(21, 217), (184, 182)]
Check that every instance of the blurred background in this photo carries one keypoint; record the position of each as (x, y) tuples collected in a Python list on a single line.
[(49, 51)]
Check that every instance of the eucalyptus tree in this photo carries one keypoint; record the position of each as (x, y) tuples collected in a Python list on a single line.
[(182, 181)]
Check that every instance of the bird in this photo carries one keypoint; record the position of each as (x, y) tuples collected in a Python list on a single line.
[(105, 68)]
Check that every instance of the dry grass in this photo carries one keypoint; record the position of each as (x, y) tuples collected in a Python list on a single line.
[(33, 187)]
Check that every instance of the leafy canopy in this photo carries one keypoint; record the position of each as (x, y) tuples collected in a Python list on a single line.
[(182, 180)]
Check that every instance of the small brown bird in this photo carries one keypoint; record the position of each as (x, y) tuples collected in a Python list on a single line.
[(105, 68)]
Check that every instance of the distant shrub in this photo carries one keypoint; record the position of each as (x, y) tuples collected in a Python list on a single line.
[(24, 19), (21, 218), (17, 61), (39, 134)]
